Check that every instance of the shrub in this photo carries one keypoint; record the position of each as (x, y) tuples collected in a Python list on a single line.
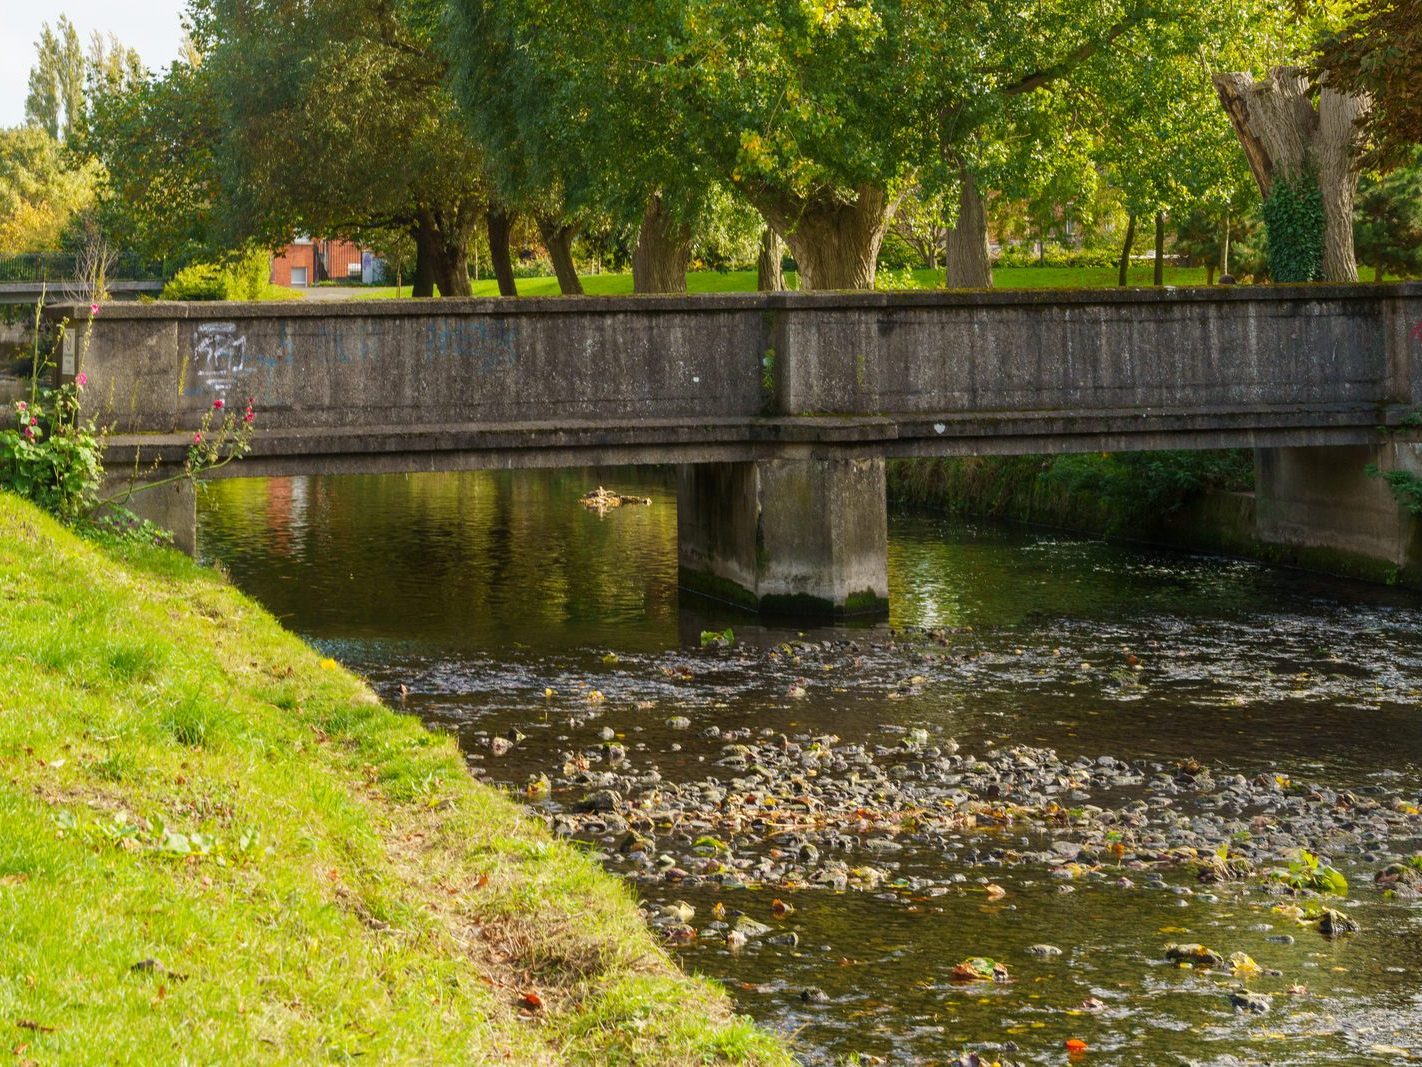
[(242, 279)]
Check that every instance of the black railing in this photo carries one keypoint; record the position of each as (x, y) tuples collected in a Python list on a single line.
[(63, 267)]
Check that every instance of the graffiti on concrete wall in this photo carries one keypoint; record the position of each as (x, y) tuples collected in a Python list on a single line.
[(219, 355)]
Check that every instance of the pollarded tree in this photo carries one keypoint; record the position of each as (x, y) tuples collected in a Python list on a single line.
[(333, 117), (1304, 145), (820, 114)]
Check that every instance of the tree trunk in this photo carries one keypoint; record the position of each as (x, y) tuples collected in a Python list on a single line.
[(442, 236), (499, 225), (1224, 248), (1122, 275), (1158, 279), (423, 282), (969, 259), (1209, 274), (557, 237), (835, 242), (769, 271), (1286, 136), (663, 252)]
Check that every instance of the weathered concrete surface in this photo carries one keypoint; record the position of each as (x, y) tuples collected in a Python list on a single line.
[(421, 385), (1325, 514), (172, 506), (790, 536)]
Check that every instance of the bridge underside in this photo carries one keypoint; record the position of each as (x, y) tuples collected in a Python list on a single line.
[(789, 517), (279, 452)]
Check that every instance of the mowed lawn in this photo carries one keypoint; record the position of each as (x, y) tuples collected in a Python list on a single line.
[(743, 281)]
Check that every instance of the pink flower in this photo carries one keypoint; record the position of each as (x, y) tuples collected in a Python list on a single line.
[(20, 405), (81, 379), (197, 438), (217, 404), (93, 309), (29, 434), (34, 421)]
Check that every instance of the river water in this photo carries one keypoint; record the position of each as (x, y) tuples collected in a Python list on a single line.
[(1023, 754)]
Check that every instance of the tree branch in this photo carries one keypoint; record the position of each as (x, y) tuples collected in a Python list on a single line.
[(1066, 64)]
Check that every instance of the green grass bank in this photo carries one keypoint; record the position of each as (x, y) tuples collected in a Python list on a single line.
[(218, 847)]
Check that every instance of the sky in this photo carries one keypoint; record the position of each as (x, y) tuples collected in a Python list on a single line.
[(150, 26)]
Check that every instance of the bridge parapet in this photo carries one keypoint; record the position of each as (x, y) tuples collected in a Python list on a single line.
[(920, 373)]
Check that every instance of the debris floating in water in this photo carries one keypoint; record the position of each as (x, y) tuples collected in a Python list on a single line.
[(601, 500)]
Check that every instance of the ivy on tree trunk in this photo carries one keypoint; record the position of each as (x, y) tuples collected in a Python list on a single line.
[(1288, 138)]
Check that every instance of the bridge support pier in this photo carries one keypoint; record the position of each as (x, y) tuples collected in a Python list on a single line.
[(803, 537), (172, 506), (1323, 512)]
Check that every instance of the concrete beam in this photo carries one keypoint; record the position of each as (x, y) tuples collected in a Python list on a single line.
[(803, 537)]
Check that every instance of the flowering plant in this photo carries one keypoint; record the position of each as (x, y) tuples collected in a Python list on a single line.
[(48, 455)]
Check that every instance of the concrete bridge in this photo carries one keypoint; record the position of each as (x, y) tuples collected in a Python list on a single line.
[(781, 408), (64, 289)]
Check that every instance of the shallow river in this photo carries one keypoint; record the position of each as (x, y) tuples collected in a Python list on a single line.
[(1025, 755)]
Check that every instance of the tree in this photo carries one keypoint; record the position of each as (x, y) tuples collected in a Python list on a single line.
[(40, 192), (328, 117), (1388, 227), (821, 115), (55, 101), (1300, 152), (582, 124), (1378, 54), (158, 141)]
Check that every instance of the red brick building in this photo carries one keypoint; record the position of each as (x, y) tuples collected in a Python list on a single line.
[(305, 262)]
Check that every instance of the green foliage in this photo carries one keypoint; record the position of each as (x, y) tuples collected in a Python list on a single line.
[(48, 456), (244, 278), (41, 190), (1307, 872), (1387, 227), (718, 638), (1405, 486), (1293, 222), (1055, 256), (1136, 485), (1379, 52)]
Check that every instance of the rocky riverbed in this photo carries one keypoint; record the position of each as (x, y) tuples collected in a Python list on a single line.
[(1132, 802)]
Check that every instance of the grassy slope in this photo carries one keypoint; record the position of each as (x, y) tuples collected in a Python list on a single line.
[(359, 893), (744, 281)]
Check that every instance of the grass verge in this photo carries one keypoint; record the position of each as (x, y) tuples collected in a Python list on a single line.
[(217, 847), (743, 281)]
